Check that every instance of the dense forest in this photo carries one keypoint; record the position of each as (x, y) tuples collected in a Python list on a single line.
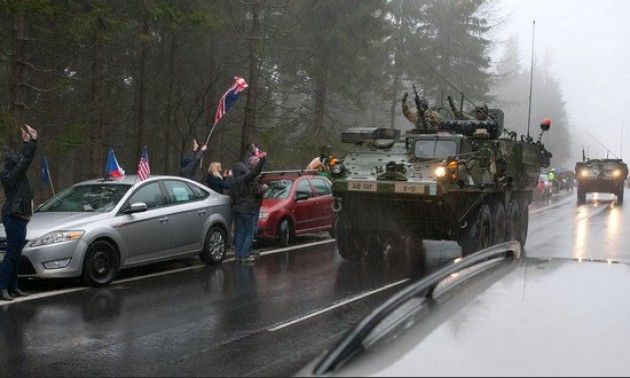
[(96, 74)]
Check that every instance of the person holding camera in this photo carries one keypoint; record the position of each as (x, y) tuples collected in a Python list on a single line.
[(16, 211)]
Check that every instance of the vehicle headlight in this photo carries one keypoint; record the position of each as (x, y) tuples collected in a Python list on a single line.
[(263, 215), (337, 169), (616, 173), (584, 173), (57, 237), (440, 171)]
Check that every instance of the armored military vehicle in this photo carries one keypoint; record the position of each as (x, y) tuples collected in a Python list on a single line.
[(600, 175), (463, 181)]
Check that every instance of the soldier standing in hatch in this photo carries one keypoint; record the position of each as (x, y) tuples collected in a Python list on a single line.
[(429, 117)]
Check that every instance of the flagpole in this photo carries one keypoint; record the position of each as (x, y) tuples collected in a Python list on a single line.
[(52, 187)]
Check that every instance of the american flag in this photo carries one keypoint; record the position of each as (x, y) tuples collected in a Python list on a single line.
[(229, 98), (143, 165)]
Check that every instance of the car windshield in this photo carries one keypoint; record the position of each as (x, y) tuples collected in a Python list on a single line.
[(99, 198), (435, 148), (278, 189)]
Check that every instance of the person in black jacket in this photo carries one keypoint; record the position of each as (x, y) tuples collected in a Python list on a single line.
[(190, 162), (245, 205), (16, 211), (214, 180)]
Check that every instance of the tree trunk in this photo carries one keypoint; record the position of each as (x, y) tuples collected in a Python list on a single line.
[(97, 134), (140, 86), (395, 89), (170, 111), (249, 121), (16, 87), (320, 103)]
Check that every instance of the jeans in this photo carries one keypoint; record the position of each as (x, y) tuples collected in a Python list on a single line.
[(256, 220), (15, 229), (243, 234)]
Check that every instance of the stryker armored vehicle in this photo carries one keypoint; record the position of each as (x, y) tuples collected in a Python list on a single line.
[(464, 182), (600, 175)]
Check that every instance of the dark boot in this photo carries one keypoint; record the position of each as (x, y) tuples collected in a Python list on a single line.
[(17, 293), (5, 296)]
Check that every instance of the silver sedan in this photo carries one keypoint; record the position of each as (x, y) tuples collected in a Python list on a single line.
[(95, 228)]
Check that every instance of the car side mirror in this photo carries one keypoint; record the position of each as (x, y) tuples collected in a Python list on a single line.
[(301, 197), (137, 207)]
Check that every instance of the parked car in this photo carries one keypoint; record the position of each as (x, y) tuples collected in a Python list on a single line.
[(296, 202), (95, 228)]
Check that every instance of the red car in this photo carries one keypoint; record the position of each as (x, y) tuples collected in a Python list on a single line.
[(296, 202)]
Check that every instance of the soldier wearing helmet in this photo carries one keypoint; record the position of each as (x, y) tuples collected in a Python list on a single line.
[(423, 115)]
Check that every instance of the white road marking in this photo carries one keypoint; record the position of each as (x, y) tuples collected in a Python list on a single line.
[(138, 278), (44, 295), (336, 305)]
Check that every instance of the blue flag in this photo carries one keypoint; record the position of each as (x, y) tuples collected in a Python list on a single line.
[(44, 169)]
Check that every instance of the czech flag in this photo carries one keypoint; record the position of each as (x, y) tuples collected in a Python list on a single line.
[(229, 98), (112, 168)]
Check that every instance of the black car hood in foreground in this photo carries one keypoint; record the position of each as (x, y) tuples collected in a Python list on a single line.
[(524, 317)]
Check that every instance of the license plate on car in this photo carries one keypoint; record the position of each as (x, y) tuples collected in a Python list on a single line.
[(362, 186)]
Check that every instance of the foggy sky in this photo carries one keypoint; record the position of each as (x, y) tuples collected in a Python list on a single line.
[(586, 45)]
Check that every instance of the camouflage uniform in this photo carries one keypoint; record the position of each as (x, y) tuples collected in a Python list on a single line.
[(431, 117)]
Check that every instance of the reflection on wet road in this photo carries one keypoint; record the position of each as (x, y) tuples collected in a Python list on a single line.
[(594, 230), (269, 318)]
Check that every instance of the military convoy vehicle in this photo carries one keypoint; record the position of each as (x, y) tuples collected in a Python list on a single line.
[(466, 181), (602, 176)]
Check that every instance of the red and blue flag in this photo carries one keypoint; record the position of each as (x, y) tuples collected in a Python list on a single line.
[(229, 98), (112, 168)]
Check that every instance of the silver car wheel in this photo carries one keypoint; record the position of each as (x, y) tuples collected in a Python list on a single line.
[(215, 246)]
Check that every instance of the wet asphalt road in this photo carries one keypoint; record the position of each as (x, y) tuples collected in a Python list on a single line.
[(269, 318)]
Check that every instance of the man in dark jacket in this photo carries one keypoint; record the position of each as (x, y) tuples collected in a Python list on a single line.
[(245, 205), (190, 162), (16, 211)]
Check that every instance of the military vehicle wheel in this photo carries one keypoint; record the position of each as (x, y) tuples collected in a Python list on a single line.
[(620, 196), (479, 232), (512, 227), (351, 244), (581, 195), (500, 223), (524, 222)]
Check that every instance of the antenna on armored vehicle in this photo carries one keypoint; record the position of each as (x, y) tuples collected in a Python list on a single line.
[(608, 150), (531, 80)]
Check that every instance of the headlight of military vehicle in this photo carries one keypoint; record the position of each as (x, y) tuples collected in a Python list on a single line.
[(440, 171), (616, 173), (57, 237), (584, 173), (337, 169)]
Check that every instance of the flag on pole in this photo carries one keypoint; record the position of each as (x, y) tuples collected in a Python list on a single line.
[(44, 169), (229, 98), (143, 165), (112, 168)]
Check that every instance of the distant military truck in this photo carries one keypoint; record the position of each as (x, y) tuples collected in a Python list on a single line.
[(600, 176), (461, 182)]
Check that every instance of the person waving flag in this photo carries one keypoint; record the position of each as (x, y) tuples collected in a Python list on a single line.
[(143, 165), (112, 168)]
